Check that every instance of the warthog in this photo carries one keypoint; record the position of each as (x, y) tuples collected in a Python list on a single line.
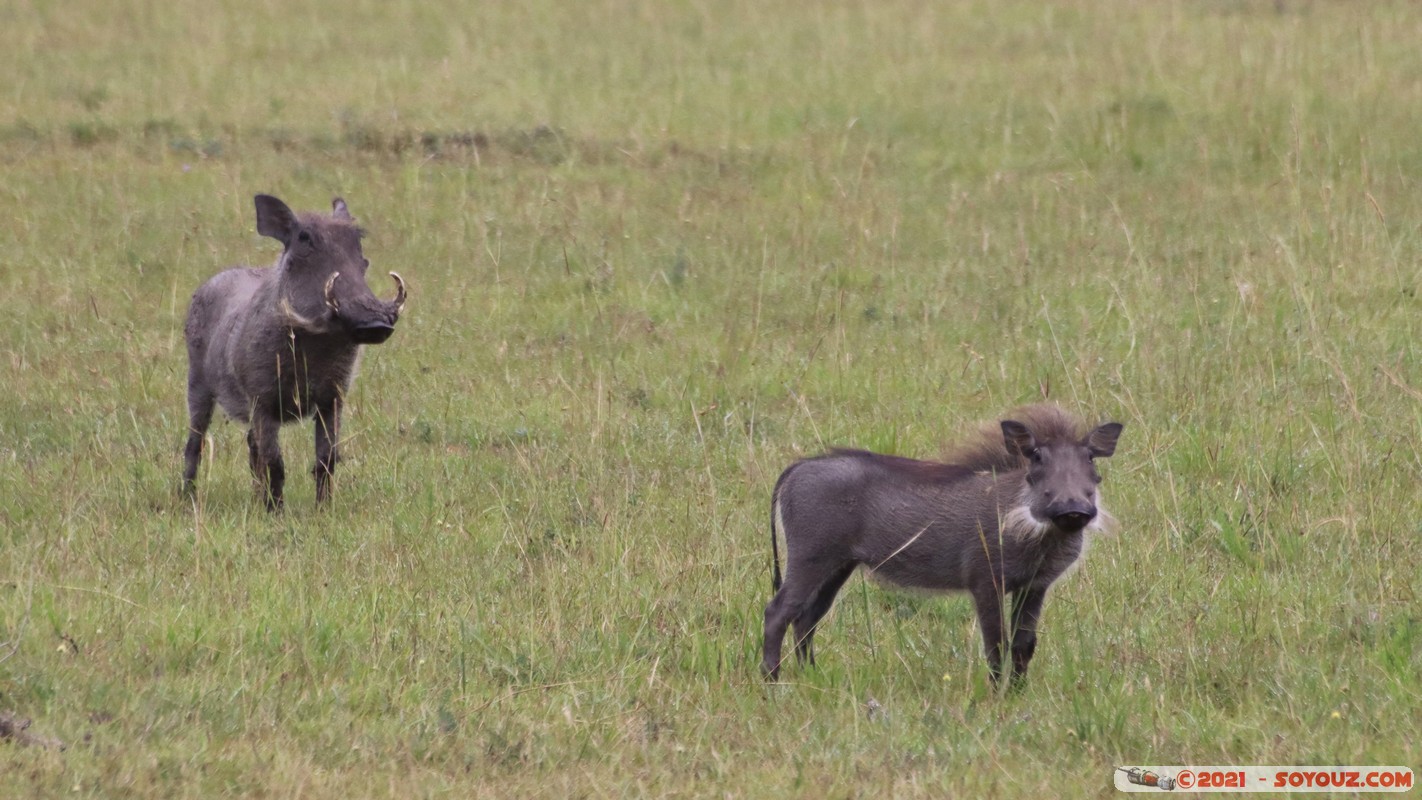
[(278, 344), (1008, 515)]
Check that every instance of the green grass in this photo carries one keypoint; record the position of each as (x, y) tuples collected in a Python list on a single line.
[(656, 252)]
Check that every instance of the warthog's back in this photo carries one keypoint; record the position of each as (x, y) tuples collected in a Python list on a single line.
[(915, 523)]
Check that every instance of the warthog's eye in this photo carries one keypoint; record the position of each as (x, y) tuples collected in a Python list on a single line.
[(303, 237)]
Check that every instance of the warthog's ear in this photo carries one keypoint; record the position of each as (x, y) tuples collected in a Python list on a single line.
[(1019, 440), (1102, 441), (339, 210), (275, 219)]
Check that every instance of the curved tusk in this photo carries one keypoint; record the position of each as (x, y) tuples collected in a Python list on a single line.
[(331, 281), (400, 294)]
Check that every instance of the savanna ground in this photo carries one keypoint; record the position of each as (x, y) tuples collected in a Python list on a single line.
[(656, 252)]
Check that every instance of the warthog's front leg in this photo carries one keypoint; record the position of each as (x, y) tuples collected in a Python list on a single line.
[(328, 434), (1026, 609), (264, 451), (988, 602)]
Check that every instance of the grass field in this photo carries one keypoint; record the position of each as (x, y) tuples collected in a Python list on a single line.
[(657, 251)]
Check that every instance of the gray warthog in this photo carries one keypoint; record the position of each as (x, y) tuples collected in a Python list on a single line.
[(281, 343), (1009, 515)]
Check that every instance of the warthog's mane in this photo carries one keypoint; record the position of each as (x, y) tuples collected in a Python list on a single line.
[(983, 451), (987, 452)]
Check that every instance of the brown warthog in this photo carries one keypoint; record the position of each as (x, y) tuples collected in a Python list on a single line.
[(1008, 515), (281, 343)]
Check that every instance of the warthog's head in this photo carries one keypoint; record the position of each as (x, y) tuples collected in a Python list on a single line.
[(1061, 478), (321, 275)]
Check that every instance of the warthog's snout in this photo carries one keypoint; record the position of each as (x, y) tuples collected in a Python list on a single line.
[(1072, 517), (372, 332), (367, 319)]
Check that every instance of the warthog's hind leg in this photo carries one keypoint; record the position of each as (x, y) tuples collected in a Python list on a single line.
[(200, 405), (806, 586), (809, 619)]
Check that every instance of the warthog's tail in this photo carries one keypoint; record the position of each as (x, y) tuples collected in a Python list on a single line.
[(775, 577), (777, 521)]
